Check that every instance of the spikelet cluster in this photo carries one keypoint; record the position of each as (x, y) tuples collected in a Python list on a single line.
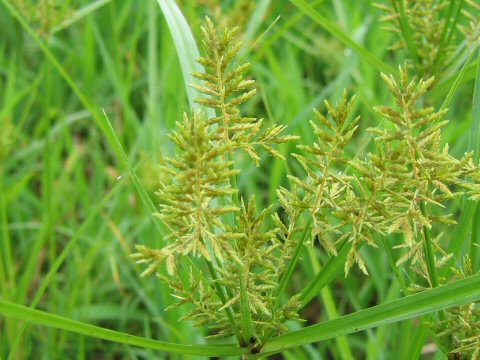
[(357, 200), (44, 15), (472, 14), (225, 89), (338, 213), (245, 260), (417, 169), (224, 259), (426, 23), (459, 331)]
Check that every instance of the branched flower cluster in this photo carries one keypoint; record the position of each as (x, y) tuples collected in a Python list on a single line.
[(199, 205), (459, 331), (45, 15), (416, 169), (427, 24), (221, 257), (338, 213), (225, 90), (472, 30)]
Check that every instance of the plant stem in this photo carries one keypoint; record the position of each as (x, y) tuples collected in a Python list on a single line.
[(287, 275), (475, 240), (223, 298), (407, 32), (428, 248), (326, 275), (447, 32), (394, 267), (245, 306)]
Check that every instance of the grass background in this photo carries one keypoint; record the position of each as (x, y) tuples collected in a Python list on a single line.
[(64, 179)]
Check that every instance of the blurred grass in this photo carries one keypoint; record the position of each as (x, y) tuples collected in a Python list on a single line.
[(74, 182)]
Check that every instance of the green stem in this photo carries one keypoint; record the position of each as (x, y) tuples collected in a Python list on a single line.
[(332, 268), (287, 275), (474, 145), (407, 33), (428, 248), (330, 306), (247, 328), (447, 32), (394, 267), (7, 279), (475, 240), (223, 298)]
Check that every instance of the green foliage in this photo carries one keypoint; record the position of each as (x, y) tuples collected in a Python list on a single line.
[(427, 29), (459, 331), (237, 14), (225, 261), (6, 137), (44, 15), (472, 30)]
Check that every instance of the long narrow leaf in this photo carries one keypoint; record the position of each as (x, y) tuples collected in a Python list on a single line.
[(333, 29), (187, 50), (331, 269), (443, 297), (19, 312), (475, 146)]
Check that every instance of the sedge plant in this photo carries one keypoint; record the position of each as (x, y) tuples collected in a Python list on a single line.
[(230, 266)]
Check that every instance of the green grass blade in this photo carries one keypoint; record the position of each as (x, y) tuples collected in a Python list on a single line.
[(102, 121), (187, 50), (415, 347), (333, 29), (474, 145), (7, 270), (23, 313), (449, 27), (153, 83), (445, 85), (407, 32), (443, 297), (475, 131), (80, 14), (458, 80), (53, 270), (291, 266), (329, 303), (463, 227), (136, 181), (331, 269)]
